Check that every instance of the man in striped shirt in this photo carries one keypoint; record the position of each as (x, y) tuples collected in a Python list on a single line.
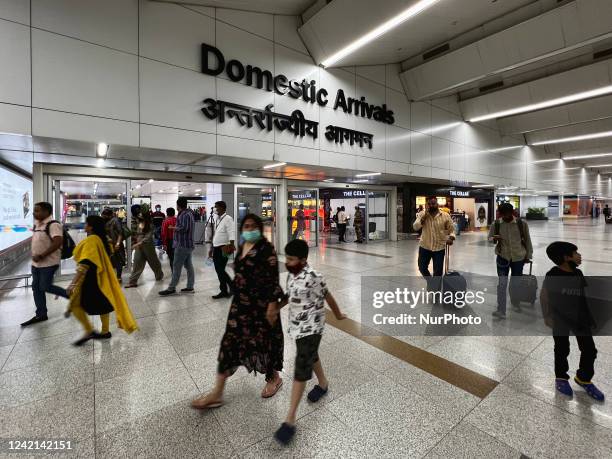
[(183, 249), (438, 232)]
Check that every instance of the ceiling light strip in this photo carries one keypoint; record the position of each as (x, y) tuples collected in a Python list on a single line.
[(545, 104), (414, 10), (577, 138)]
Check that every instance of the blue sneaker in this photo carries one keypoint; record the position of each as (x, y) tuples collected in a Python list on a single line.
[(590, 389), (564, 387)]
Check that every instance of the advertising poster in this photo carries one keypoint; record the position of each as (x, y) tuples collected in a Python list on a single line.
[(480, 212), (16, 208)]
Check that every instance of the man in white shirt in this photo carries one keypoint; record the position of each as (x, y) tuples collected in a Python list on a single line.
[(224, 234), (342, 219), (47, 241)]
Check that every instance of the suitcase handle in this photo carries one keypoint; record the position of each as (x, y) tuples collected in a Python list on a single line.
[(446, 258), (530, 267)]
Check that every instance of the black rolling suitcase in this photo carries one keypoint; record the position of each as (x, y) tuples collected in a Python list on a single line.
[(452, 281), (524, 289)]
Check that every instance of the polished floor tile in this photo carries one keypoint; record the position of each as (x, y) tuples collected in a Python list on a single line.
[(538, 429), (466, 441)]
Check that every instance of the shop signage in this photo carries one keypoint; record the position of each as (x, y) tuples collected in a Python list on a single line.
[(295, 123), (459, 193), (300, 195), (354, 193), (553, 201), (280, 84)]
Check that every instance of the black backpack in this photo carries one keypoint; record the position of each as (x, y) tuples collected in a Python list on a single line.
[(68, 244)]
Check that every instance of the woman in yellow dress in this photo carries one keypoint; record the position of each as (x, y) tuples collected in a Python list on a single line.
[(94, 290)]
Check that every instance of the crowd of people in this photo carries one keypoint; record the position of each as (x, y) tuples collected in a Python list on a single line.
[(253, 336), (563, 298)]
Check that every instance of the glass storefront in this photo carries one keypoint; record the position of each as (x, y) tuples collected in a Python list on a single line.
[(75, 200), (302, 218), (258, 200)]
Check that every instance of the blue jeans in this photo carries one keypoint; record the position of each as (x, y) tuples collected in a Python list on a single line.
[(425, 257), (42, 282), (504, 267), (182, 257)]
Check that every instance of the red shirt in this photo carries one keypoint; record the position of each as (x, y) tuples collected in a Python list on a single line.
[(167, 233)]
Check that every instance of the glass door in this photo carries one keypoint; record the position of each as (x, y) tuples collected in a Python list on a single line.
[(258, 200), (302, 221), (378, 216), (77, 198)]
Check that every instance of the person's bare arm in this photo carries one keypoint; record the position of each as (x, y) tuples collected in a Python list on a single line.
[(56, 244), (331, 301)]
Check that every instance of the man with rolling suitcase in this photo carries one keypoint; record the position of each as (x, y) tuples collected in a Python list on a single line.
[(438, 232), (513, 250)]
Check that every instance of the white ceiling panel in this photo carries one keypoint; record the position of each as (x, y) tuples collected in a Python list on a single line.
[(293, 7)]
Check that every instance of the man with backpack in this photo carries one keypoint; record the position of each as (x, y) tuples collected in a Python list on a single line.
[(49, 246), (513, 250)]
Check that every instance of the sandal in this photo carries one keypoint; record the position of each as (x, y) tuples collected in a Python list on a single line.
[(203, 404), (266, 394), (131, 286), (83, 340), (285, 433), (316, 393)]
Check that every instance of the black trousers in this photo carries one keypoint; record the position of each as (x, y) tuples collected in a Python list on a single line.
[(341, 231), (588, 354), (220, 261)]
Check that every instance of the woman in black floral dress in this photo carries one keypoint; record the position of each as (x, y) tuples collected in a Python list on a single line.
[(253, 335)]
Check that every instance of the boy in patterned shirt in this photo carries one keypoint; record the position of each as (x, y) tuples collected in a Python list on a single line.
[(306, 295)]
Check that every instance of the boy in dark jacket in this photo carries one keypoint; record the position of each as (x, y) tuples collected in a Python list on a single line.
[(565, 309)]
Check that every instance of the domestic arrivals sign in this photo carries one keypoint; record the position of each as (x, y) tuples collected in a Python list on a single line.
[(214, 63)]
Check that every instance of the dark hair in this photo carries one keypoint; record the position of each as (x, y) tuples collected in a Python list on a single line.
[(222, 205), (297, 248), (429, 198), (505, 208), (170, 212), (342, 208), (108, 212), (45, 206), (135, 209), (255, 218), (558, 250), (98, 226), (181, 202)]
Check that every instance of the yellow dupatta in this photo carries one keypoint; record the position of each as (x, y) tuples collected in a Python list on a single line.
[(92, 249)]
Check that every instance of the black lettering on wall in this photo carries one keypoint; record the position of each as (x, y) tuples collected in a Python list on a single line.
[(340, 101), (208, 67), (281, 84), (322, 97), (295, 89), (235, 70), (259, 75)]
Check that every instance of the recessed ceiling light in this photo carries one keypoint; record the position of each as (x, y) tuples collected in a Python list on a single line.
[(100, 162), (576, 138), (545, 104), (199, 189), (328, 180), (151, 180), (396, 20), (361, 181), (270, 166), (102, 149), (138, 186)]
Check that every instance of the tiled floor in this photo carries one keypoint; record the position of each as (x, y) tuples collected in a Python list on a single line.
[(130, 397)]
